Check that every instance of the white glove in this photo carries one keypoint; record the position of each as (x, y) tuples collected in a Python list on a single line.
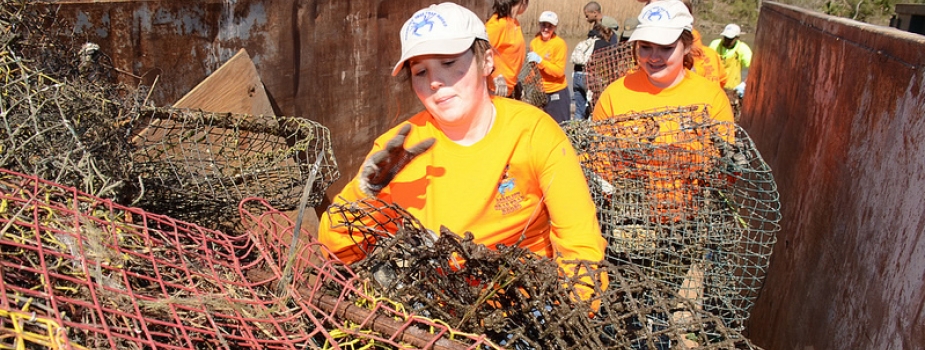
[(740, 89), (534, 57), (606, 187), (501, 86), (380, 168)]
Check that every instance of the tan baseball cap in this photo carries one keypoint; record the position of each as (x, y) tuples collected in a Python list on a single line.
[(444, 29)]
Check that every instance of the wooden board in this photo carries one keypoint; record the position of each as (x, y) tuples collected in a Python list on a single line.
[(234, 88)]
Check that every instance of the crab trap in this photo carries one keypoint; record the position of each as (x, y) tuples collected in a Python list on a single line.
[(520, 300), (81, 272)]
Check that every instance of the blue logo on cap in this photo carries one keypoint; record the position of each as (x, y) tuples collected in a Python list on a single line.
[(423, 23), (656, 14)]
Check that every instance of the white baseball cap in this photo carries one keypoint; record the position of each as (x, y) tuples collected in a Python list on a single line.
[(731, 31), (662, 22), (549, 17), (444, 29)]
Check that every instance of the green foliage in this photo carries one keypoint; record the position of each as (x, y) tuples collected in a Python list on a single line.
[(745, 12)]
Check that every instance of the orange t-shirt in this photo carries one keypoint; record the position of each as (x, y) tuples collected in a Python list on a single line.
[(522, 178), (670, 184), (552, 68), (634, 93), (507, 39), (707, 62)]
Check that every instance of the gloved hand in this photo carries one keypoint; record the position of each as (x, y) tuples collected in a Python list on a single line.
[(534, 57), (380, 168), (500, 86), (740, 89)]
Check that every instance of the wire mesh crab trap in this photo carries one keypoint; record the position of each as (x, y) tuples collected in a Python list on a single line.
[(520, 300), (607, 65), (687, 199), (193, 164), (80, 272), (62, 119), (529, 86)]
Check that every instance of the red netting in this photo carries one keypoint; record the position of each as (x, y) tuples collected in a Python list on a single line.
[(83, 272)]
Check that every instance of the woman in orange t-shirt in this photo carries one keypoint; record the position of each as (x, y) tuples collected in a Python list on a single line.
[(472, 162), (507, 38), (548, 51)]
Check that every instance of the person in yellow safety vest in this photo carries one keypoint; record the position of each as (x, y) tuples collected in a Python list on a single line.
[(470, 161), (736, 55)]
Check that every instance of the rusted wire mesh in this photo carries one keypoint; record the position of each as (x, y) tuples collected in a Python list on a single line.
[(607, 65), (530, 86), (679, 199), (48, 125), (62, 119), (518, 299), (83, 272), (193, 164)]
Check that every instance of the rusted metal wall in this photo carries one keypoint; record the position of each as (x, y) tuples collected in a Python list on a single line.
[(837, 109), (325, 60)]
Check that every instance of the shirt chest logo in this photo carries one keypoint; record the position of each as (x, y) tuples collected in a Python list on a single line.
[(509, 198)]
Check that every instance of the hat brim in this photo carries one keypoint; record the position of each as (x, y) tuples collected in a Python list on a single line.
[(728, 35), (434, 47), (656, 35)]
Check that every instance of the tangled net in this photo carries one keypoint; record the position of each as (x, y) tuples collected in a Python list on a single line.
[(63, 120), (677, 200), (530, 86), (83, 272), (607, 65), (518, 299)]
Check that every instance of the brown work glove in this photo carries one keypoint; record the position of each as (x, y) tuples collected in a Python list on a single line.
[(381, 167)]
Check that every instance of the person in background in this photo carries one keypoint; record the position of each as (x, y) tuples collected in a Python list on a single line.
[(707, 62), (472, 162), (548, 51), (736, 55), (608, 33), (580, 56), (507, 39), (628, 26), (663, 42)]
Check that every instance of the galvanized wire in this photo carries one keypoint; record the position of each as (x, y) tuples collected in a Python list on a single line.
[(191, 160), (63, 119), (518, 299), (530, 86), (606, 66), (676, 197)]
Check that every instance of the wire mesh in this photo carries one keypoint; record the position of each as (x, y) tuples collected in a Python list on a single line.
[(90, 273), (25, 330), (193, 162), (62, 119), (530, 86), (606, 66), (682, 200), (520, 300)]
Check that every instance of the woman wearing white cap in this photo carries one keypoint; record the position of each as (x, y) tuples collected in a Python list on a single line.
[(472, 162), (548, 51), (663, 42)]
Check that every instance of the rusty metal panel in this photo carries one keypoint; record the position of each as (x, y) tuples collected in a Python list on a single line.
[(836, 108), (324, 60)]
